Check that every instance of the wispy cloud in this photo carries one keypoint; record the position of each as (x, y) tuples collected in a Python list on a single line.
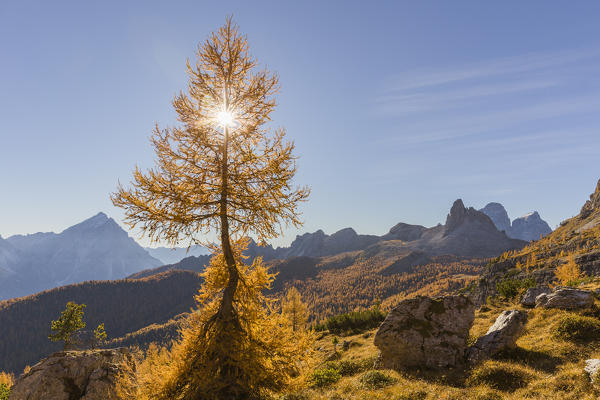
[(498, 67), (491, 96), (405, 102)]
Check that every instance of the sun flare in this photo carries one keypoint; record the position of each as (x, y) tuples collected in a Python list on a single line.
[(226, 119)]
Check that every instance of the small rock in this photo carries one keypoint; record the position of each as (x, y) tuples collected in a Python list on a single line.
[(528, 299), (565, 298), (346, 345), (426, 332), (502, 334), (592, 367)]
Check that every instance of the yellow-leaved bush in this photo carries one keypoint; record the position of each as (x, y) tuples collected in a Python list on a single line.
[(256, 354)]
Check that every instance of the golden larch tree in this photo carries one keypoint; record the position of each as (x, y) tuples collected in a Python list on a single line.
[(220, 170), (295, 309), (569, 273)]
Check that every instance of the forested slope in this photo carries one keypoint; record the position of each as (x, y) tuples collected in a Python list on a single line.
[(123, 306)]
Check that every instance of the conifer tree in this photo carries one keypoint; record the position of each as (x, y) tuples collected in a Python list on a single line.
[(99, 335), (294, 309), (569, 273), (221, 170), (69, 322)]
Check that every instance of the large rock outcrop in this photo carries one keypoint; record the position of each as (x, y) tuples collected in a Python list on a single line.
[(426, 332), (502, 335), (592, 205), (73, 375), (566, 298)]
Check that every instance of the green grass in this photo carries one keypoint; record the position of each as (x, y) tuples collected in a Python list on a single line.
[(578, 328)]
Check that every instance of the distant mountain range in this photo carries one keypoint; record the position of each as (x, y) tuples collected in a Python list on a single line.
[(99, 249), (95, 249), (468, 233), (528, 227), (168, 255)]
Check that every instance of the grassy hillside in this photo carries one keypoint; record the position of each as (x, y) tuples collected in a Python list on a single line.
[(542, 366), (125, 306)]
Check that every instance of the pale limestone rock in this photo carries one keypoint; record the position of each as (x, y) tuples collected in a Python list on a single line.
[(592, 367), (566, 298), (502, 335), (426, 332)]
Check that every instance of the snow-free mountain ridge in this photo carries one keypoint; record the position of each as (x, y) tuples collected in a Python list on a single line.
[(95, 249)]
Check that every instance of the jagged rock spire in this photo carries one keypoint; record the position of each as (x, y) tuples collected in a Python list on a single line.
[(593, 204)]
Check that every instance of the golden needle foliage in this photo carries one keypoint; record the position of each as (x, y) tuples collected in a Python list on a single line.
[(7, 379), (294, 309), (205, 362), (568, 273)]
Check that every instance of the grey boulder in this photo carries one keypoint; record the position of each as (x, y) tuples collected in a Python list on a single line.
[(502, 334), (528, 299), (426, 332), (566, 298)]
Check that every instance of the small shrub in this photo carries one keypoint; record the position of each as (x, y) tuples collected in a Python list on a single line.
[(4, 391), (418, 395), (355, 321), (295, 396), (499, 376), (577, 328), (509, 288), (6, 382), (349, 367), (376, 380), (324, 377), (489, 396)]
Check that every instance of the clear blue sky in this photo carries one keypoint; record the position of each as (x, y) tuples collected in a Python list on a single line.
[(397, 108)]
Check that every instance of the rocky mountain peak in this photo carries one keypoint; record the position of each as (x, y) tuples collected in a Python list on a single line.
[(592, 205), (405, 232), (459, 215), (498, 215), (529, 227), (98, 223), (531, 216)]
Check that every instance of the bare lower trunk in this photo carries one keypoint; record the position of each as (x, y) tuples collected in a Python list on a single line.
[(226, 309)]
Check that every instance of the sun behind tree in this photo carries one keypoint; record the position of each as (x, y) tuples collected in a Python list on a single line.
[(221, 171)]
